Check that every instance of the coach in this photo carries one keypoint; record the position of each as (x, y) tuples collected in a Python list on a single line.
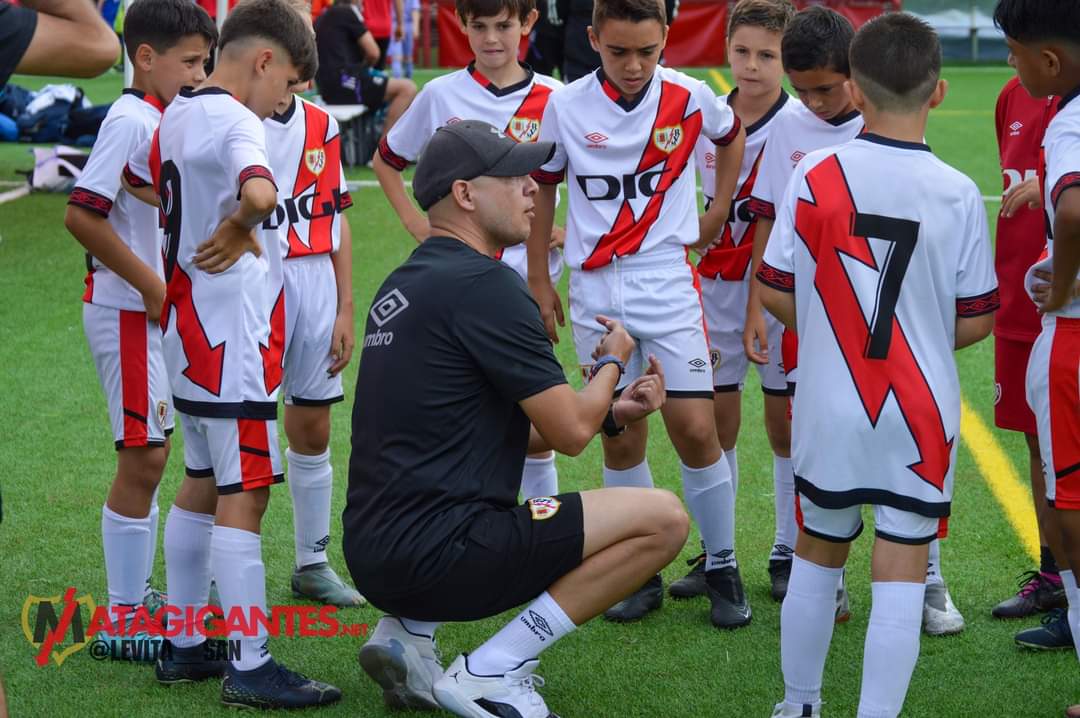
[(456, 366)]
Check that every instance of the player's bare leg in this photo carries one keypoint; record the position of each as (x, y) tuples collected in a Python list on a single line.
[(311, 486)]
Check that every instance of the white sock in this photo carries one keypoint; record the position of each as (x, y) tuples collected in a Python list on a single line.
[(712, 504), (636, 477), (532, 631), (806, 628), (892, 647), (187, 569), (151, 552), (236, 557), (933, 564), (311, 485), (419, 628), (732, 457), (126, 541), (539, 478), (784, 504), (1072, 594)]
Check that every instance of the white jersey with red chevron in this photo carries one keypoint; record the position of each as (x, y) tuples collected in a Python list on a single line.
[(304, 146), (730, 258), (130, 121), (884, 247), (631, 187), (222, 359)]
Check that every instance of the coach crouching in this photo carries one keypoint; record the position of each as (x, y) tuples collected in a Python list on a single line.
[(457, 382)]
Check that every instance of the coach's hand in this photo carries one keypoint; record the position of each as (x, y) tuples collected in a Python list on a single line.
[(551, 310), (228, 244), (343, 341), (558, 238), (1041, 292), (756, 334), (616, 342), (153, 298), (1024, 194), (645, 395)]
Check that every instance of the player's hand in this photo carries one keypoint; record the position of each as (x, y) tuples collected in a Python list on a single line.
[(342, 342), (551, 310), (1026, 193), (755, 334), (419, 228), (399, 31), (1042, 295), (617, 341), (710, 226), (229, 242), (645, 395), (558, 238), (154, 300)]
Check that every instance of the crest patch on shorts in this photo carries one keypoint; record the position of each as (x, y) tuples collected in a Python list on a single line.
[(162, 414), (543, 507)]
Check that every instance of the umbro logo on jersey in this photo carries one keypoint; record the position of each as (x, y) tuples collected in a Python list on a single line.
[(1014, 128), (453, 120), (796, 156), (710, 160), (524, 129), (697, 365), (537, 625), (315, 160), (596, 141), (668, 139)]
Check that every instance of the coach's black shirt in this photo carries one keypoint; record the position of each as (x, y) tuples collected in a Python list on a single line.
[(17, 26), (453, 342)]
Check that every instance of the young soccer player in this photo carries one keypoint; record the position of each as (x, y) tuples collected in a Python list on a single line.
[(210, 170), (625, 136), (1044, 47), (880, 256), (755, 30), (167, 42), (495, 88)]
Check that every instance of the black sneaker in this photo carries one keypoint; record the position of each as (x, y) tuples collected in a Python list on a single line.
[(1053, 635), (729, 606), (779, 575), (272, 685), (692, 584), (189, 665), (1038, 592), (634, 607)]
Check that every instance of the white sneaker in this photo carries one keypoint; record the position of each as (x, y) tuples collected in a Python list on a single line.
[(808, 710), (404, 664), (512, 694), (939, 614)]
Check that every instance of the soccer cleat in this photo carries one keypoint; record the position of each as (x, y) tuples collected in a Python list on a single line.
[(806, 710), (1053, 634), (154, 601), (843, 603), (405, 665), (188, 665), (512, 695), (729, 606), (272, 685), (319, 583), (940, 615), (1038, 592), (635, 606), (692, 584), (779, 575)]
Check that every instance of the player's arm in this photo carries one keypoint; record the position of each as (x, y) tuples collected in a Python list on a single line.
[(143, 193), (369, 47), (779, 303), (399, 31), (236, 233), (537, 247), (971, 330), (393, 186), (728, 162), (1066, 260), (755, 333), (344, 336), (71, 39)]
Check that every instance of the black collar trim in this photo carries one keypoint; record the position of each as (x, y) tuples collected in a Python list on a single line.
[(889, 142), (777, 106), (191, 92), (501, 91), (287, 115), (616, 96), (843, 119), (151, 100), (1068, 98)]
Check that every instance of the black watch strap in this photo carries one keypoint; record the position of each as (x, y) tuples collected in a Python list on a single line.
[(609, 427)]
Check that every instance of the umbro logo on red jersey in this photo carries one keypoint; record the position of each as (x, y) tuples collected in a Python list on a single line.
[(797, 155), (1014, 128), (596, 140)]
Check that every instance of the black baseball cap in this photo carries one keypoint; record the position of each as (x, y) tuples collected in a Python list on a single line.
[(469, 149)]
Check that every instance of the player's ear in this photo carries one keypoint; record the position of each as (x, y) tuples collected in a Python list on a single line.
[(144, 56), (530, 20), (857, 97), (939, 93), (263, 59), (1050, 59), (594, 39)]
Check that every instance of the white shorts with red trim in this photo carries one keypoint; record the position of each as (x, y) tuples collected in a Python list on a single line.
[(131, 367), (725, 315), (310, 313), (516, 258), (658, 300), (845, 524), (1053, 392), (239, 454)]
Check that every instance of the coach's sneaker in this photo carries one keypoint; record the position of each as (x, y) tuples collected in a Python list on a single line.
[(319, 583), (806, 710), (404, 664), (634, 607), (510, 695), (1053, 635), (189, 665), (779, 575), (1038, 592), (729, 606), (272, 685), (940, 617), (843, 603), (692, 584)]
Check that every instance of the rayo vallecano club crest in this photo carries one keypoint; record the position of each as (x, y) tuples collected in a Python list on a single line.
[(667, 139), (524, 129), (315, 160)]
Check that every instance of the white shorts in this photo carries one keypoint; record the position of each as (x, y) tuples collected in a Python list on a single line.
[(1053, 393), (658, 300), (310, 312), (240, 454), (517, 258), (845, 525), (725, 315), (131, 367)]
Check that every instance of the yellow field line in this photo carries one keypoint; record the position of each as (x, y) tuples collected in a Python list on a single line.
[(721, 82), (1013, 495)]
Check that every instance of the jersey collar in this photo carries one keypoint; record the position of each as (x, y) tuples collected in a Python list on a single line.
[(889, 142), (148, 99), (615, 95), (777, 106), (1066, 99), (500, 91), (287, 115), (843, 119)]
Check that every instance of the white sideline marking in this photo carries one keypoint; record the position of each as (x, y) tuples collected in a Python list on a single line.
[(14, 194)]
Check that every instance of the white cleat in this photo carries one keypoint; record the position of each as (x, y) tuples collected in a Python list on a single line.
[(512, 695), (806, 710), (940, 615), (405, 665)]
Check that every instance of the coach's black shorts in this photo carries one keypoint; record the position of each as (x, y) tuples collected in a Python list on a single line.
[(511, 556), (359, 87)]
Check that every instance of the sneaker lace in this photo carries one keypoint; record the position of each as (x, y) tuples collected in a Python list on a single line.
[(1029, 582), (1053, 616), (699, 559), (527, 685)]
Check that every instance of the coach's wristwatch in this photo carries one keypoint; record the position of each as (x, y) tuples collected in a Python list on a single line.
[(604, 361)]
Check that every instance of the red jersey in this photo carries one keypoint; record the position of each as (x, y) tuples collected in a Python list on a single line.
[(1021, 122), (377, 18)]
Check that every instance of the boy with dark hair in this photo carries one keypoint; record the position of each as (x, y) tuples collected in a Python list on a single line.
[(221, 333), (1044, 47), (626, 135), (881, 258), (167, 42)]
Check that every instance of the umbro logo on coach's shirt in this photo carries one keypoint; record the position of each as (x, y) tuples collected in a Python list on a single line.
[(389, 307)]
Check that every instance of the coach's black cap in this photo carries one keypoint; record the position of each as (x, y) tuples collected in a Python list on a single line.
[(469, 149)]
